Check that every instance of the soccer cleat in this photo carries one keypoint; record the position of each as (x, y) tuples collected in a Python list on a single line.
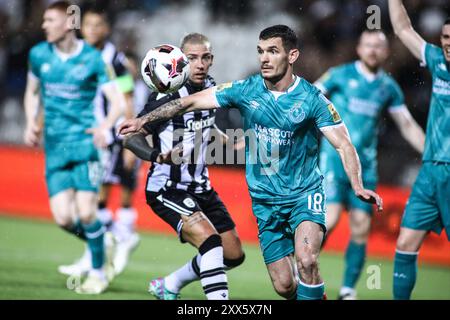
[(95, 283), (347, 296), (80, 268), (157, 288), (123, 252)]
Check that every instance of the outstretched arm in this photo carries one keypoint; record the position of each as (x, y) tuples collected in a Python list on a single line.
[(338, 137), (409, 128), (403, 28), (201, 100), (136, 143)]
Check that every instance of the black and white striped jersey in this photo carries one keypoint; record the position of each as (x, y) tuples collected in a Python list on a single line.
[(115, 63), (195, 127)]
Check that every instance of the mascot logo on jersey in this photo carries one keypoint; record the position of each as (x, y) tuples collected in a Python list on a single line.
[(297, 114)]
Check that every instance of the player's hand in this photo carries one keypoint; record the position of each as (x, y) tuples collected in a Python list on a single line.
[(240, 144), (371, 197), (170, 156), (32, 135), (131, 125), (98, 136)]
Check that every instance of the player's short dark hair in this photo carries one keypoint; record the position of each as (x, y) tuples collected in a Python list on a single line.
[(373, 31), (60, 5), (447, 21), (287, 35), (97, 10), (195, 38)]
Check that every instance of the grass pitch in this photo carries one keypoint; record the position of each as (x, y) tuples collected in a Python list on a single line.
[(30, 252)]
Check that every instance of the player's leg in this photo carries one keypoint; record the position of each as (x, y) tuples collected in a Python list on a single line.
[(282, 274), (405, 263), (233, 257), (308, 240), (200, 232), (124, 172), (126, 216), (104, 214), (83, 264), (427, 210), (182, 212), (276, 241), (355, 253), (62, 206), (102, 271)]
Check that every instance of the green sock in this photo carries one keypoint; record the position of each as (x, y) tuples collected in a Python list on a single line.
[(76, 229), (94, 234), (405, 273), (310, 292), (354, 262)]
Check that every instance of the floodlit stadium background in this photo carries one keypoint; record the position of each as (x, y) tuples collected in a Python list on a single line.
[(328, 31)]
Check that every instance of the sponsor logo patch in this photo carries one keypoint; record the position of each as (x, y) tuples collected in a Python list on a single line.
[(334, 113)]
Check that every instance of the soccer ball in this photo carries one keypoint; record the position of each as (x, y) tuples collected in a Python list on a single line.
[(165, 68)]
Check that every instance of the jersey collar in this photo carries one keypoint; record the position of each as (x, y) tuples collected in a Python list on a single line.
[(65, 56), (291, 88), (370, 77)]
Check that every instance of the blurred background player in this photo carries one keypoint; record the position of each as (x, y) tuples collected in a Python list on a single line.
[(181, 194), (120, 166), (66, 73), (288, 200), (428, 207), (361, 91)]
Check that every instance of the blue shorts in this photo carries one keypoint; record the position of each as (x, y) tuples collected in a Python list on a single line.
[(428, 206), (339, 191), (72, 166), (276, 233)]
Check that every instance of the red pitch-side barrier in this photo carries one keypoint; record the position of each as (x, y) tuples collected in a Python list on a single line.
[(23, 192)]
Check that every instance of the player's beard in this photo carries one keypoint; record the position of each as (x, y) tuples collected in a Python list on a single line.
[(276, 77)]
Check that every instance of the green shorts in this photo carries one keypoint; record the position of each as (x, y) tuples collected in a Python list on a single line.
[(428, 206), (340, 191), (72, 166), (276, 232)]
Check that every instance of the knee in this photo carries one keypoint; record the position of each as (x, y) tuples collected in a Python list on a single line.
[(212, 242), (63, 219), (307, 261), (285, 286), (406, 244), (87, 217), (233, 263)]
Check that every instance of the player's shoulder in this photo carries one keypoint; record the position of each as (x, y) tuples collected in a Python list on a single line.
[(305, 86), (40, 49), (433, 49), (389, 80), (90, 51), (252, 81), (343, 69)]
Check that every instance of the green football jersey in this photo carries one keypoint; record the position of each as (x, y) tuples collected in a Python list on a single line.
[(360, 101), (68, 86), (437, 141), (283, 130)]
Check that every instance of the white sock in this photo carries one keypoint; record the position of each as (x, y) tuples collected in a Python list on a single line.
[(99, 273), (124, 225), (347, 290), (105, 216), (212, 274), (180, 278)]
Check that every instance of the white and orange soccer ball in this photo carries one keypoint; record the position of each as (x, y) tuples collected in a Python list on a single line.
[(165, 68)]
